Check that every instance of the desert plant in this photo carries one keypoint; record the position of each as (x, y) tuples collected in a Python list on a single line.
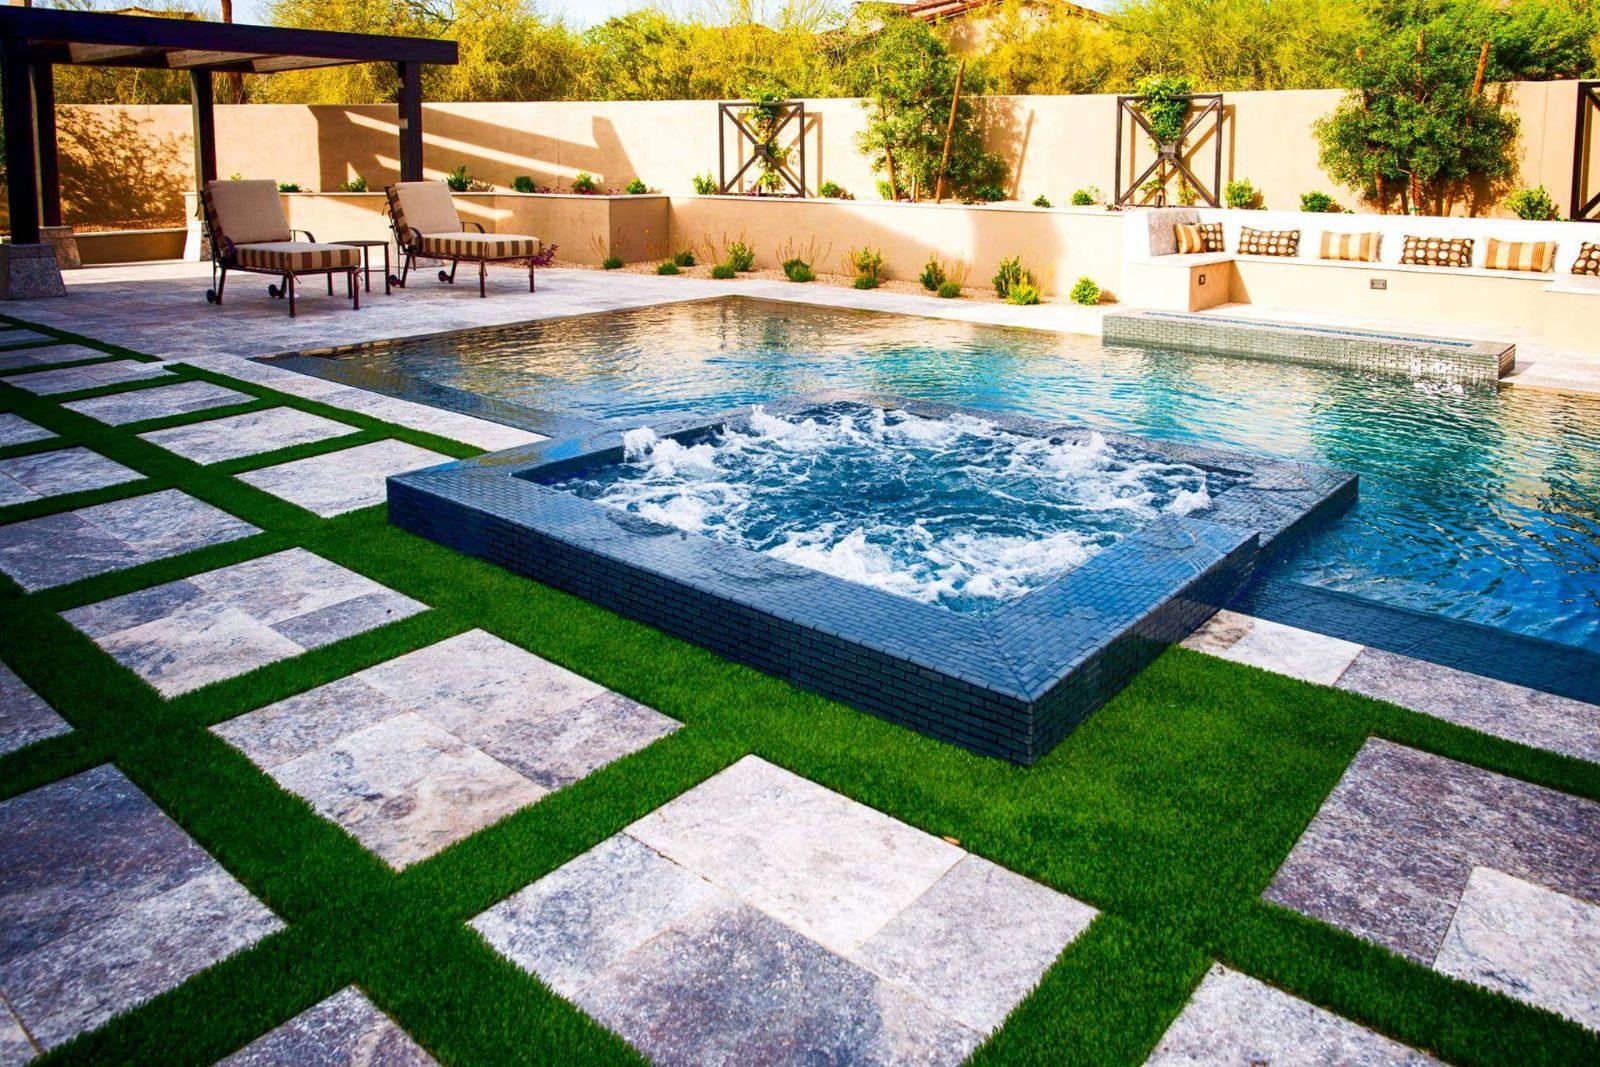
[(668, 266), (1011, 273), (741, 257), (1187, 197), (866, 264), (637, 187), (1023, 291), (949, 290), (288, 187), (583, 182), (1161, 98), (459, 180), (1042, 201), (723, 271), (358, 184), (1085, 292), (523, 183), (1242, 194), (933, 274), (864, 282), (989, 194), (834, 191), (684, 258), (1533, 204), (1316, 202), (704, 183), (611, 263), (1086, 197), (798, 270)]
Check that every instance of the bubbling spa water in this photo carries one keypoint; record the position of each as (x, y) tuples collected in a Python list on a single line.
[(956, 510)]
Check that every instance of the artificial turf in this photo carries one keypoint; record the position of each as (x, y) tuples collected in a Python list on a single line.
[(1169, 810)]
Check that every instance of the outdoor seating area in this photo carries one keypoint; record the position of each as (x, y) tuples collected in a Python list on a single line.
[(248, 232), (426, 224)]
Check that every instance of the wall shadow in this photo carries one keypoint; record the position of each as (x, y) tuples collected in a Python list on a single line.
[(115, 174)]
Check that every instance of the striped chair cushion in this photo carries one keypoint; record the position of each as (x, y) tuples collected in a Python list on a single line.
[(480, 245), (1269, 242), (1588, 261), (1437, 251), (1537, 257), (297, 256), (1195, 237), (1352, 247)]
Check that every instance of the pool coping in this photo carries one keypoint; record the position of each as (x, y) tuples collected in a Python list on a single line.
[(1009, 683)]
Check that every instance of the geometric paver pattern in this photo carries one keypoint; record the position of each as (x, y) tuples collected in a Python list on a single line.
[(220, 624), (16, 430), (246, 435), (760, 917), (46, 356), (66, 470), (104, 903), (24, 716), (11, 336), (342, 481), (158, 402), (89, 376), (1234, 1019), (1412, 851), (68, 546), (1311, 657), (343, 1030), (421, 751)]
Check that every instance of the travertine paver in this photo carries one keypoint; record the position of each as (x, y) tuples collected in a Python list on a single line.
[(220, 624), (342, 481), (1273, 646), (343, 1031), (45, 356), (1235, 1021), (91, 376), (419, 752), (246, 435), (12, 336), (68, 546), (157, 402), (24, 716), (1391, 857), (105, 902), (16, 430), (762, 918), (65, 470)]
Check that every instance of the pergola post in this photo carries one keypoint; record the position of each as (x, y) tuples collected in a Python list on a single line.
[(410, 121), (44, 107), (16, 110), (205, 128)]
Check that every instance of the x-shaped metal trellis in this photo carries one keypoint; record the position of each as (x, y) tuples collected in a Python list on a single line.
[(1588, 104), (786, 112), (1203, 106)]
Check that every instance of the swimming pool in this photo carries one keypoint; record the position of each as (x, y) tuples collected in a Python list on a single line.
[(1475, 504)]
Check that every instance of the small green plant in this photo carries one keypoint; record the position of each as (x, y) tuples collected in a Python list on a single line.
[(1187, 197), (523, 183), (704, 183), (990, 194), (885, 190), (1010, 274), (459, 180), (865, 282), (1085, 292), (583, 182), (1086, 197), (288, 187), (798, 270), (358, 184), (637, 187), (668, 266), (684, 258), (1164, 100), (834, 191), (1023, 292), (1242, 194), (933, 275), (723, 272), (741, 257), (1042, 201), (1533, 204), (867, 266), (611, 263), (950, 290), (1317, 202)]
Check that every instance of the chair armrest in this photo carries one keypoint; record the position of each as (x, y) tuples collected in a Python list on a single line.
[(309, 235), (479, 226)]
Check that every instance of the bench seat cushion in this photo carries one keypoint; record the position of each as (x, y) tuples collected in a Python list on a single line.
[(480, 245), (297, 256)]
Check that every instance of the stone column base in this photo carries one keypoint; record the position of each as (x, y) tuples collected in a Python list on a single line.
[(66, 245), (29, 271)]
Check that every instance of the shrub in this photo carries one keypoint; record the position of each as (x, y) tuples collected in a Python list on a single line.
[(723, 271), (1023, 292), (358, 184), (583, 182), (611, 263), (798, 270), (1086, 197), (835, 191), (885, 190), (1086, 292), (459, 180), (288, 187), (933, 275), (741, 257), (1242, 194), (523, 183), (1042, 201), (867, 266), (704, 183), (637, 187), (667, 266), (1011, 274), (1318, 202), (1533, 204), (989, 194), (684, 258), (865, 282), (1161, 100), (950, 290)]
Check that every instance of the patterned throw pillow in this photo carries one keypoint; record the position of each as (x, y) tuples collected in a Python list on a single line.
[(1194, 237), (1269, 242), (1352, 247), (1437, 251), (1588, 261), (1538, 257)]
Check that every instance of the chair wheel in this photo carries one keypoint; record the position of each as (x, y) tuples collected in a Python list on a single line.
[(394, 280), (211, 296), (275, 291), (444, 276)]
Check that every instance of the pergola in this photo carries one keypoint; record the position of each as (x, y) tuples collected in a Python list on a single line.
[(33, 41)]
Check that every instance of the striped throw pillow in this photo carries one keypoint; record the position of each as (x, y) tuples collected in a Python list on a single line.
[(1194, 237), (1588, 261), (1352, 247), (1437, 251), (1269, 242), (1537, 257)]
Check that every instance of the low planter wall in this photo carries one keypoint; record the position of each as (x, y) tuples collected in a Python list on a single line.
[(129, 246)]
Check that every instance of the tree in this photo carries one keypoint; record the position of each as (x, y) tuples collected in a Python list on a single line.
[(1232, 45), (1060, 54)]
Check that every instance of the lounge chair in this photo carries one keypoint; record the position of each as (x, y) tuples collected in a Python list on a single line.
[(423, 216), (249, 232)]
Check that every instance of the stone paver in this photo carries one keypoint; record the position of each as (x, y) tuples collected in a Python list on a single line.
[(343, 1031), (16, 430), (762, 918), (1235, 1021), (92, 376), (24, 716), (46, 356), (342, 481), (105, 902), (1273, 646), (421, 751), (246, 435), (66, 470), (10, 337), (158, 402), (220, 624), (1393, 852), (72, 545)]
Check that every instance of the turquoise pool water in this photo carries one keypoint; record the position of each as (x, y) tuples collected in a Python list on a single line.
[(1475, 504)]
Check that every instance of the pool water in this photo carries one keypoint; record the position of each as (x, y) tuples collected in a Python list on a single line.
[(1476, 504), (950, 510)]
